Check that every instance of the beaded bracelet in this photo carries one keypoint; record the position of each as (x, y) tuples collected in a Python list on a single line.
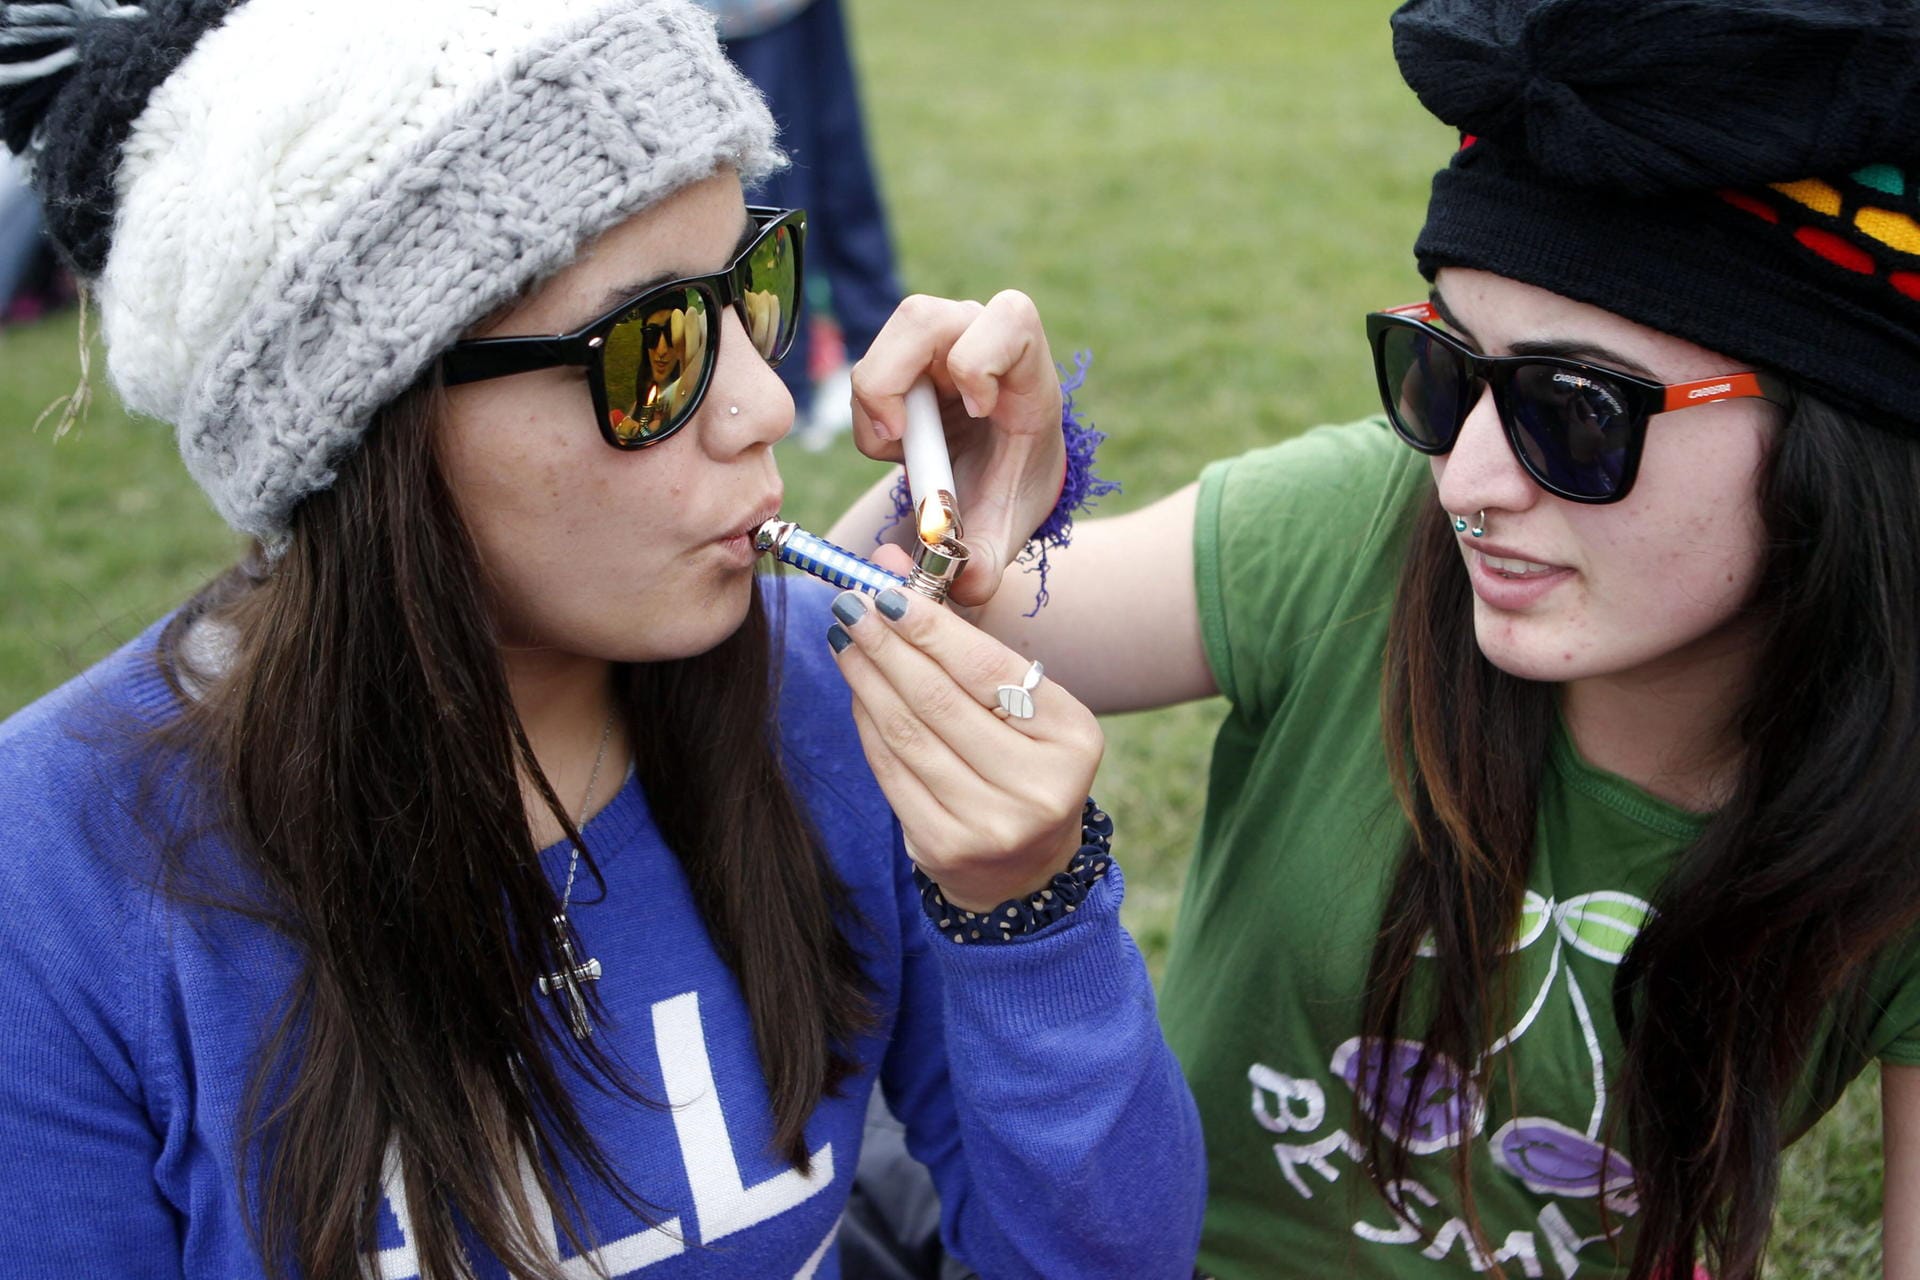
[(1018, 917), (1078, 485)]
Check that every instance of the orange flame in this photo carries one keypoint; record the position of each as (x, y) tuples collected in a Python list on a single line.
[(936, 521)]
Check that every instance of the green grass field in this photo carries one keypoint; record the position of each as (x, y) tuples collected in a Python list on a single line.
[(1206, 196)]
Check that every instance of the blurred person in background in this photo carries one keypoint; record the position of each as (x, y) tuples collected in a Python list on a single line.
[(797, 52), (30, 280), (1561, 861)]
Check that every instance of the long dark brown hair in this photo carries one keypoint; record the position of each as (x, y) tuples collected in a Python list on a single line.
[(363, 758), (1767, 928)]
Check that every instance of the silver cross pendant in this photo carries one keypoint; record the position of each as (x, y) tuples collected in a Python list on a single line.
[(566, 983)]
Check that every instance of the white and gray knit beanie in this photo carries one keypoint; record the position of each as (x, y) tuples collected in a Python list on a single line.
[(287, 209)]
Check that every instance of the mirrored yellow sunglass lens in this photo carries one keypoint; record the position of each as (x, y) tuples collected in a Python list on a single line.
[(653, 360), (770, 302)]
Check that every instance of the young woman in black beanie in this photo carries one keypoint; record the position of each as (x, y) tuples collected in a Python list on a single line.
[(1562, 855)]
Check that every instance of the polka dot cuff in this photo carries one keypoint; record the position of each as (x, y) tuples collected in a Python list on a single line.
[(1021, 917)]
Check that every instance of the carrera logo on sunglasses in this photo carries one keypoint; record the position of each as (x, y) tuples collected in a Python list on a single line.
[(1717, 389), (1579, 383)]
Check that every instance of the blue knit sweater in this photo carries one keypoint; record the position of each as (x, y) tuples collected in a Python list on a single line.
[(1031, 1076)]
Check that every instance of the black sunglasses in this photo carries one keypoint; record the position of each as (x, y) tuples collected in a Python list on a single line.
[(635, 405), (1577, 428)]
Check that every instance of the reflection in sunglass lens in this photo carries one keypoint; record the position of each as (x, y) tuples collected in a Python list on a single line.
[(1576, 428), (654, 360), (769, 293), (1429, 386)]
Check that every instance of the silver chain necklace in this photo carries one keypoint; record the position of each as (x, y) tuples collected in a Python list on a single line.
[(566, 984)]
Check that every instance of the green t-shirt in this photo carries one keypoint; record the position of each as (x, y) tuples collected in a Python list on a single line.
[(1297, 551)]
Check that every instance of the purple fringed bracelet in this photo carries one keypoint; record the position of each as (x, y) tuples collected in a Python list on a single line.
[(1078, 488)]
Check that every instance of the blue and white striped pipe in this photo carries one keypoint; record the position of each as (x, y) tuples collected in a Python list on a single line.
[(810, 553)]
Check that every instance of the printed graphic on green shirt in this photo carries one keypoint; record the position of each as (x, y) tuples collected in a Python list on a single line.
[(1563, 1158)]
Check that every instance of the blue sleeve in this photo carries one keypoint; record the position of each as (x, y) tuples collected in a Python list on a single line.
[(1033, 1081), (78, 1150)]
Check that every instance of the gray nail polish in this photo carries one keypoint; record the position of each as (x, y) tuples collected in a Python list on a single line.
[(837, 637), (849, 607), (891, 603)]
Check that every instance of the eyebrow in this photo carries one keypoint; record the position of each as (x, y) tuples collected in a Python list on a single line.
[(632, 290), (1565, 349)]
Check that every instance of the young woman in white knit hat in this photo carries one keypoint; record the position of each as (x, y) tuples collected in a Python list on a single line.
[(479, 878)]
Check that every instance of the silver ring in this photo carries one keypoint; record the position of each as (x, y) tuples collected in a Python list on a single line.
[(1016, 700)]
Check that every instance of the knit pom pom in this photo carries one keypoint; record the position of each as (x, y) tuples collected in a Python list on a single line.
[(1671, 95), (74, 76), (39, 47)]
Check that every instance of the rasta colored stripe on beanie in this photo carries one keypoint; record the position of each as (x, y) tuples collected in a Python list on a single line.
[(1847, 220), (1733, 172), (323, 195)]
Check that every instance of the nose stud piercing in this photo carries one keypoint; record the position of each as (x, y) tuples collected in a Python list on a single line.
[(733, 410), (1479, 529)]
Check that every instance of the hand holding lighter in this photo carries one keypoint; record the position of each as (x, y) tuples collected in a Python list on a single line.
[(938, 554)]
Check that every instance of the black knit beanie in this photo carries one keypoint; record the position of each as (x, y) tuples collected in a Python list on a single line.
[(1739, 173)]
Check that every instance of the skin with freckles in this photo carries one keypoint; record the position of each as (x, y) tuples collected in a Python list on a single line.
[(599, 555), (1640, 612), (602, 555)]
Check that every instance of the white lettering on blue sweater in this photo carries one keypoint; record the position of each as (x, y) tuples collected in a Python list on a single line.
[(722, 1203)]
